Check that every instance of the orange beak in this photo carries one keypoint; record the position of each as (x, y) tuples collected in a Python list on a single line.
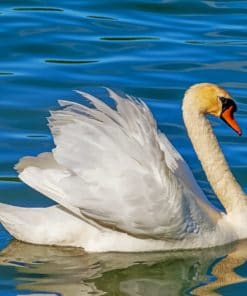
[(227, 116)]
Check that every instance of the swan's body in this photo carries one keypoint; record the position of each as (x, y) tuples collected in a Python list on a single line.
[(122, 186)]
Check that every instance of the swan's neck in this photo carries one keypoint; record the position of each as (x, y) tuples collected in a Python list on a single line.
[(213, 161)]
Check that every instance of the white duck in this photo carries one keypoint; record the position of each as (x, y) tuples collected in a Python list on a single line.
[(121, 186)]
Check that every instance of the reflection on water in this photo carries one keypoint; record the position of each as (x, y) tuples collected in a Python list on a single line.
[(68, 271)]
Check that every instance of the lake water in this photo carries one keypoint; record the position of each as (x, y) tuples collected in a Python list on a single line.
[(150, 49)]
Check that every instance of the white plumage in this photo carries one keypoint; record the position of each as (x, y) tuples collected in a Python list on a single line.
[(120, 184)]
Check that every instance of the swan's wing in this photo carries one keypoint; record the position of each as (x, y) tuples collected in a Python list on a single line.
[(111, 166), (179, 167)]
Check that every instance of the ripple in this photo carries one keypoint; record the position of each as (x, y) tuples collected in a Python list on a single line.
[(6, 73), (235, 84), (37, 136), (172, 67), (101, 17), (217, 43), (70, 61), (43, 9), (128, 38), (9, 179)]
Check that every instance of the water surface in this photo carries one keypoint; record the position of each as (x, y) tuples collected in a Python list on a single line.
[(150, 49)]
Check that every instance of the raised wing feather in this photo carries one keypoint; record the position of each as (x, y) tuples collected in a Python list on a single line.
[(117, 169)]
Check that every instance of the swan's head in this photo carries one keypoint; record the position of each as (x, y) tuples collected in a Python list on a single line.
[(211, 99)]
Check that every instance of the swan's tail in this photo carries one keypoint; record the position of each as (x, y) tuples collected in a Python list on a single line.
[(50, 226)]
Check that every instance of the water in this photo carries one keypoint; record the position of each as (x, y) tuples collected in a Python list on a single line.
[(150, 49)]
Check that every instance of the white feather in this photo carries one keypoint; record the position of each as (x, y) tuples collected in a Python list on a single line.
[(111, 166)]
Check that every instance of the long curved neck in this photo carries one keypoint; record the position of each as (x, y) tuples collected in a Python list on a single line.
[(213, 161)]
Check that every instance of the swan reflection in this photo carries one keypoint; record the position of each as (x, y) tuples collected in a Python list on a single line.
[(68, 271)]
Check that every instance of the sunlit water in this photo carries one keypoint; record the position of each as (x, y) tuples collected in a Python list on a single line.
[(150, 49)]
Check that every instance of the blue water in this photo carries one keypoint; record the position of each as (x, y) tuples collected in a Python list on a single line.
[(150, 49)]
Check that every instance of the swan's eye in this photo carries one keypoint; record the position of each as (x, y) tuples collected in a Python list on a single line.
[(227, 103), (223, 99)]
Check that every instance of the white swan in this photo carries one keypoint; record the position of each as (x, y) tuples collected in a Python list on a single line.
[(121, 186)]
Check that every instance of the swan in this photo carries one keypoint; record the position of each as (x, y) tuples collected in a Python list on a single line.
[(120, 185)]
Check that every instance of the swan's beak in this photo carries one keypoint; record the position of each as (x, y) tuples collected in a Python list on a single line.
[(227, 116)]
